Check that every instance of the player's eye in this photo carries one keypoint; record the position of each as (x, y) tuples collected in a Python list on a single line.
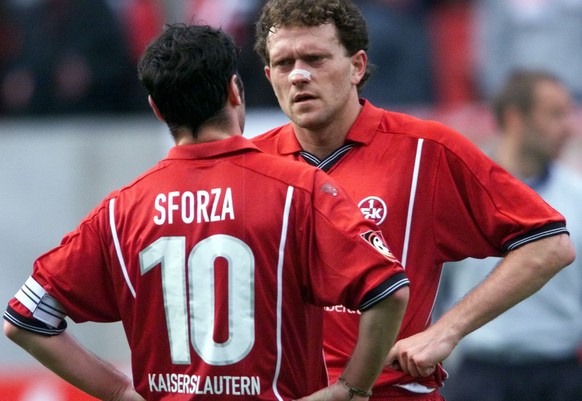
[(315, 59), (285, 62)]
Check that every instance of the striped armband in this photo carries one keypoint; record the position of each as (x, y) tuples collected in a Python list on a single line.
[(42, 305)]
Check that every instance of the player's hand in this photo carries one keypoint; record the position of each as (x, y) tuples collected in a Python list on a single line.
[(335, 392), (419, 354)]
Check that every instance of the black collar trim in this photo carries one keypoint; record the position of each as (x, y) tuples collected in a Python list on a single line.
[(327, 163)]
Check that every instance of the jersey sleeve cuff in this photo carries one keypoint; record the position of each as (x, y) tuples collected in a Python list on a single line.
[(384, 290), (33, 325), (548, 230)]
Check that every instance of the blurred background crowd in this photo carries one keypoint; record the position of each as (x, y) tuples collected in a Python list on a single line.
[(79, 56)]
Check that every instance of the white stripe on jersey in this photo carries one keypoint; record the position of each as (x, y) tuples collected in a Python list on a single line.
[(288, 202), (42, 306), (117, 247), (411, 201), (413, 386)]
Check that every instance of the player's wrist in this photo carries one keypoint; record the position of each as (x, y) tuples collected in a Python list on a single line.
[(354, 393)]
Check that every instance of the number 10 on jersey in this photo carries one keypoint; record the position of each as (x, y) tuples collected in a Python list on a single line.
[(190, 299)]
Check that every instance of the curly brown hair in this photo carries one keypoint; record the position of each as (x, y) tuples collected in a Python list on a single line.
[(344, 14)]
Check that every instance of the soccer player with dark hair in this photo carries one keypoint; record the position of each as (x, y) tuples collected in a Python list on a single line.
[(218, 261)]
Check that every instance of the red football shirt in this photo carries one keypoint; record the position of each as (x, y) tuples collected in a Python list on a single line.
[(217, 261), (435, 196)]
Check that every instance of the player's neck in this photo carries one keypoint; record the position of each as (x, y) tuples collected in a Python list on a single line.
[(323, 141), (204, 136), (319, 143)]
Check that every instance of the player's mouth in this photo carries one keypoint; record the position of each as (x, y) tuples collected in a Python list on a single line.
[(302, 97)]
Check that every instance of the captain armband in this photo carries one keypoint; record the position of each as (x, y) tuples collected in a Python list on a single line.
[(42, 305)]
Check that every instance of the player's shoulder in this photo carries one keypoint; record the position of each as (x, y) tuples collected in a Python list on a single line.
[(270, 134), (146, 179), (268, 141), (290, 171), (440, 136), (416, 126), (272, 170)]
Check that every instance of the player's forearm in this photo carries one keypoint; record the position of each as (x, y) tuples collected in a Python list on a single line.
[(520, 274), (378, 330), (71, 361)]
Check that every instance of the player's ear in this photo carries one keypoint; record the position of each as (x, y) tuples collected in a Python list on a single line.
[(155, 109), (268, 73), (359, 64), (235, 90)]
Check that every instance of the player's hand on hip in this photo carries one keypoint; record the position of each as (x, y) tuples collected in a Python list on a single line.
[(419, 354)]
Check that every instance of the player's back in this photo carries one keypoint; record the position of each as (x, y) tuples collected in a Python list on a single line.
[(217, 261), (201, 240), (197, 258), (219, 293)]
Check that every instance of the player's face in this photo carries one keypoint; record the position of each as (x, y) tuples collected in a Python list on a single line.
[(551, 121), (326, 89)]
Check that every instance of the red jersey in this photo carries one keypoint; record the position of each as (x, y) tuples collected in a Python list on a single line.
[(435, 196), (218, 261)]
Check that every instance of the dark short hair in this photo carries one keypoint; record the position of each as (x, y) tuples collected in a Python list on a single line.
[(519, 91), (186, 71), (344, 14)]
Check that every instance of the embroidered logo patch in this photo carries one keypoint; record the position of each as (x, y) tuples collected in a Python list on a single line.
[(374, 209), (376, 239)]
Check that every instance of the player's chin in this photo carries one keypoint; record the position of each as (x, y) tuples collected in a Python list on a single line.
[(307, 117), (306, 122)]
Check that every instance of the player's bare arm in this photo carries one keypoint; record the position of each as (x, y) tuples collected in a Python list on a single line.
[(521, 273), (378, 329), (68, 359)]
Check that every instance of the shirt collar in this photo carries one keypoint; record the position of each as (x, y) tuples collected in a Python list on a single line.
[(212, 149), (366, 125), (362, 131)]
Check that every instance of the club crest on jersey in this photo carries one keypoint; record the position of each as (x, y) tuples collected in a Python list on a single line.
[(376, 239), (374, 209)]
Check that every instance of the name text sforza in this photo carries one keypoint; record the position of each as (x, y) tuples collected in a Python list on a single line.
[(194, 207)]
